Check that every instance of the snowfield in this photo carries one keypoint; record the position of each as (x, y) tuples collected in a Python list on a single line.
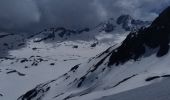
[(38, 58), (100, 84), (36, 63), (156, 91)]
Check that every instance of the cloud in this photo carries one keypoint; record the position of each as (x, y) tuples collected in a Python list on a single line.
[(16, 14), (141, 9), (34, 15)]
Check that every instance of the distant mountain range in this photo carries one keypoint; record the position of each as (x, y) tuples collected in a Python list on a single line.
[(107, 31), (123, 24)]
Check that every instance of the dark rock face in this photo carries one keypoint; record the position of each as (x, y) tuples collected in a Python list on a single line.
[(155, 36), (34, 93), (156, 77)]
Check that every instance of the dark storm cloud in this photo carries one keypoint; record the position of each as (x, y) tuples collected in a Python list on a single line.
[(142, 9), (69, 13), (31, 15), (17, 14)]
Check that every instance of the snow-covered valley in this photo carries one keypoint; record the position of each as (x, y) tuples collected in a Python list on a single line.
[(28, 63), (90, 64), (40, 62)]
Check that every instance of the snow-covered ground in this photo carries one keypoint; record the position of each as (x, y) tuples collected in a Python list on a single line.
[(112, 81), (40, 62), (156, 91), (127, 77)]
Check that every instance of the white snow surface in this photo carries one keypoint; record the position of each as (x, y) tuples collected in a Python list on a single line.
[(41, 62), (156, 91), (105, 81), (62, 55)]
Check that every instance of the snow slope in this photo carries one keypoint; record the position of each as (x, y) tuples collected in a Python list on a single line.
[(156, 91), (111, 81), (38, 62), (141, 59)]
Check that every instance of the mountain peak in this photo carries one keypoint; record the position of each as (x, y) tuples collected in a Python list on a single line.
[(130, 24), (123, 18), (155, 36)]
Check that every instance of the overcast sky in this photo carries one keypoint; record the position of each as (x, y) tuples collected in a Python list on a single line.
[(34, 15)]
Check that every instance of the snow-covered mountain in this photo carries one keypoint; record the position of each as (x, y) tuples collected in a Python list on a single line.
[(130, 24), (108, 31), (141, 59), (26, 62), (104, 31)]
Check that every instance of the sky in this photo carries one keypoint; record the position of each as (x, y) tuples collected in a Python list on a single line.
[(35, 15)]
